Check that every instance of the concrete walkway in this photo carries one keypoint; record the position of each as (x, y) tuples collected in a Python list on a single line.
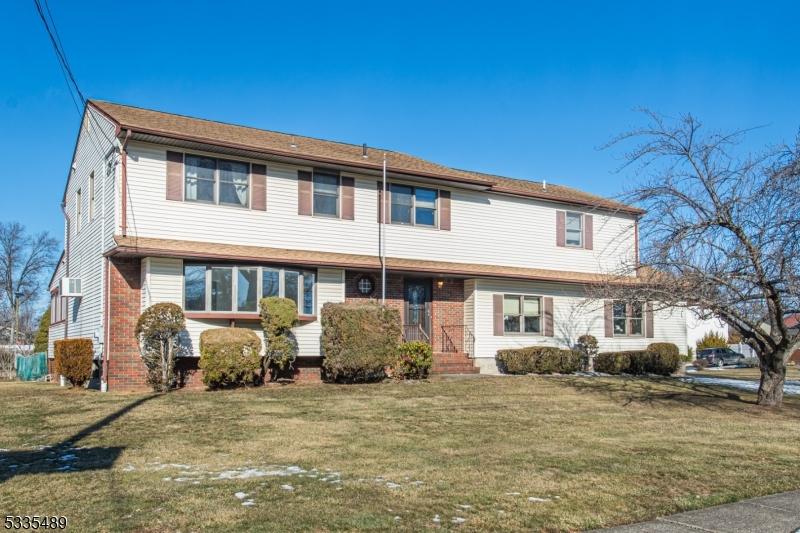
[(779, 513)]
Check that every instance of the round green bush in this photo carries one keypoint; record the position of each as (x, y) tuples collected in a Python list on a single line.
[(414, 361), (229, 357)]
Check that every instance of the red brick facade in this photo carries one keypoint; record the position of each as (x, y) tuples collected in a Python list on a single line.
[(125, 368)]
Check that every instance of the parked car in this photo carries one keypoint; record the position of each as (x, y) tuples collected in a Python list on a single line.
[(721, 356)]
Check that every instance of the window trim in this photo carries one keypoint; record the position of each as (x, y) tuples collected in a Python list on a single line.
[(414, 223), (629, 318), (522, 315), (333, 174), (58, 308), (217, 181), (235, 311), (566, 229)]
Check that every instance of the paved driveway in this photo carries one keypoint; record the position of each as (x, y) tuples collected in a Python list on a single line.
[(779, 513)]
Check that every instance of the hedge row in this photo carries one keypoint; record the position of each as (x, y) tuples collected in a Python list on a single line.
[(539, 360), (659, 358)]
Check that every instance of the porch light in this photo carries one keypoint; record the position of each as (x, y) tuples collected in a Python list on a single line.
[(439, 283)]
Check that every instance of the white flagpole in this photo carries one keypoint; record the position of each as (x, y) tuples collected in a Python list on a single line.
[(383, 235)]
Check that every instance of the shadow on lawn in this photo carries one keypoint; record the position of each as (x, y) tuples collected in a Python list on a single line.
[(656, 391), (65, 456)]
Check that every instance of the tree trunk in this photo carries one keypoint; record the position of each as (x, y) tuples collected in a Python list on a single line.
[(773, 375), (164, 367)]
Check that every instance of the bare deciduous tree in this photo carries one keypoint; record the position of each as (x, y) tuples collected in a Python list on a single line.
[(25, 262), (721, 232)]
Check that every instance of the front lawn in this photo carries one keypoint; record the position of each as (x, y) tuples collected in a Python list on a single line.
[(792, 373), (475, 454)]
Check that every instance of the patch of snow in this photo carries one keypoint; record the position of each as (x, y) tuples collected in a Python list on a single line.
[(248, 503), (129, 468), (391, 485), (513, 494), (396, 518), (789, 387), (538, 500), (241, 495), (458, 520), (417, 483), (166, 479), (465, 506), (436, 519), (4, 450), (287, 487)]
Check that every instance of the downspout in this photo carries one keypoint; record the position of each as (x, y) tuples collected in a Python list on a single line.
[(124, 158)]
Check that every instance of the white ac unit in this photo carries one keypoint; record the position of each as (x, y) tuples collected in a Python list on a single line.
[(71, 287)]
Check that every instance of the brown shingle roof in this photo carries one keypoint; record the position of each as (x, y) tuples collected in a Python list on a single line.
[(281, 144), (146, 246)]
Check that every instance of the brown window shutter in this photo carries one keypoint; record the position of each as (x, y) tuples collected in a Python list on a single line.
[(348, 198), (548, 317), (561, 228), (258, 178), (174, 176), (608, 308), (305, 195), (649, 329), (497, 314), (588, 232), (444, 210)]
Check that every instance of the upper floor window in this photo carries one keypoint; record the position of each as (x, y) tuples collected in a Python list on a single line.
[(226, 288), (78, 211), (413, 205), (326, 194), (91, 196), (216, 181), (522, 314), (574, 229), (628, 318)]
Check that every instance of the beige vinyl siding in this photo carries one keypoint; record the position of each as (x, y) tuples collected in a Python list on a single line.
[(163, 282), (573, 316), (87, 246), (486, 228)]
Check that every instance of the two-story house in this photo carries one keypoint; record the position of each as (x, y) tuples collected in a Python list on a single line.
[(211, 216)]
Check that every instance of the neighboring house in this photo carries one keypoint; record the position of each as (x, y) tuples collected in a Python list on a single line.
[(211, 216)]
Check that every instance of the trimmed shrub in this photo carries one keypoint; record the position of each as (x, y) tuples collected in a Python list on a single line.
[(613, 362), (414, 360), (587, 347), (158, 331), (278, 317), (539, 360), (664, 358), (659, 358), (229, 357), (359, 340), (712, 340), (73, 360), (700, 364)]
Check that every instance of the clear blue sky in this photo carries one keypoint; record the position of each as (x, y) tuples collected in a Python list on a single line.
[(520, 89)]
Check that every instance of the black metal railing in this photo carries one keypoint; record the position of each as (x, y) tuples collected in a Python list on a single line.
[(414, 332), (458, 338)]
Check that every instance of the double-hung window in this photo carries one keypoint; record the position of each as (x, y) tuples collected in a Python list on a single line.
[(574, 229), (227, 288), (522, 314), (216, 181), (58, 306), (413, 205), (326, 194), (628, 318)]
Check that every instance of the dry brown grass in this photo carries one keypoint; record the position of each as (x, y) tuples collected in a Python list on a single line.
[(792, 373), (603, 451)]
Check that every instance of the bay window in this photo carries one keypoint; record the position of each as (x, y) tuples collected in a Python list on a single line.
[(216, 181), (522, 314), (628, 318), (237, 289)]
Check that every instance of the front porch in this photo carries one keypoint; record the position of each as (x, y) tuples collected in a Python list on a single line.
[(431, 310)]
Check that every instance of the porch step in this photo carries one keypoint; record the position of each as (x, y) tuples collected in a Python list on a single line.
[(453, 363)]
